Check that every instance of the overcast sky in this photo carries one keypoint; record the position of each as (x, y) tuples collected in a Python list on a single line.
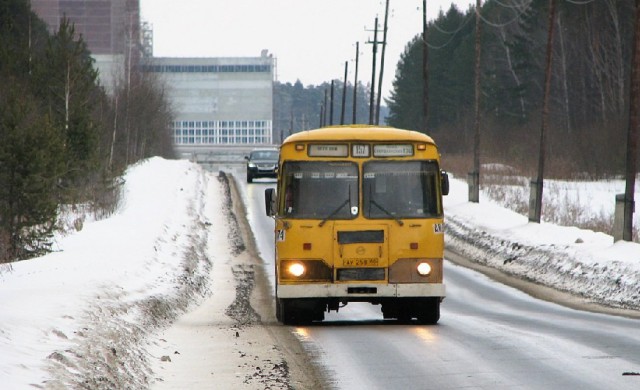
[(311, 40)]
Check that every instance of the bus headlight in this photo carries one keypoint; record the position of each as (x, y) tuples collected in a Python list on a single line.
[(424, 269), (296, 269)]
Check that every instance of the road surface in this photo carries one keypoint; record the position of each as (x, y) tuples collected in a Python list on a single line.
[(490, 336)]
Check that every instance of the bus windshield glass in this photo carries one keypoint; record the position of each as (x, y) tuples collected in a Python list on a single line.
[(320, 190), (401, 189)]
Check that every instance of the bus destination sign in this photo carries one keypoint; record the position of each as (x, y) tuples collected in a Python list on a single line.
[(393, 150), (328, 150)]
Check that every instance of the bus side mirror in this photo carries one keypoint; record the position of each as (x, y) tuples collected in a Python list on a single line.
[(444, 182), (270, 201)]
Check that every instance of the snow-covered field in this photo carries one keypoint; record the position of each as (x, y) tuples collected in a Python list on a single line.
[(82, 316)]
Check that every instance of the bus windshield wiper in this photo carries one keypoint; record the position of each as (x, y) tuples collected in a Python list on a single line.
[(373, 202), (334, 212)]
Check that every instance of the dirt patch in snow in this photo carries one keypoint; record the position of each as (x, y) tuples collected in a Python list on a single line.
[(232, 340), (254, 312)]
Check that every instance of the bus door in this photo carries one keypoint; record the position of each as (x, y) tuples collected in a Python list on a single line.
[(361, 252)]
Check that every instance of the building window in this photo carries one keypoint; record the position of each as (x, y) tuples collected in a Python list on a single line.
[(221, 132)]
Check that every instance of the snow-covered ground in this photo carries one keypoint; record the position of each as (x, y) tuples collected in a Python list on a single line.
[(78, 317), (82, 316), (583, 262)]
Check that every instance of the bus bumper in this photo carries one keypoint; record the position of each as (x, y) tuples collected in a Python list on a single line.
[(361, 291)]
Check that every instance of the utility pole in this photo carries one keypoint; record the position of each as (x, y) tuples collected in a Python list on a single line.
[(344, 92), (384, 45), (331, 105), (535, 196), (632, 134), (372, 107), (324, 117), (355, 85), (474, 177), (425, 69)]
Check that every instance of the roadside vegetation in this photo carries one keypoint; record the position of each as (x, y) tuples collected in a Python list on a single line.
[(589, 90), (63, 140), (588, 115)]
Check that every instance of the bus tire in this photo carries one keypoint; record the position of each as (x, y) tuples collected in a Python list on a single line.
[(278, 310), (428, 311), (249, 178), (288, 314)]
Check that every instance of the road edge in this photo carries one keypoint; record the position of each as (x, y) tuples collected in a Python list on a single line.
[(304, 370)]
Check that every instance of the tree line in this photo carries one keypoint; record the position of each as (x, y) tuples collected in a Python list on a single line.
[(63, 140), (297, 108), (589, 84)]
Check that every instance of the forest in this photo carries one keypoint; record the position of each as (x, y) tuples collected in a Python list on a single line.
[(63, 140), (589, 94)]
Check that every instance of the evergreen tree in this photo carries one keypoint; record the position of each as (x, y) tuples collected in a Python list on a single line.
[(405, 101), (31, 151), (297, 108), (71, 94), (450, 75)]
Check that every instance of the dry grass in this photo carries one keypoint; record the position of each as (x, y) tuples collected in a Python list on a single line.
[(511, 190)]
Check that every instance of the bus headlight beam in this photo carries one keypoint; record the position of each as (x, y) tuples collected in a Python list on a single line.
[(424, 269), (296, 269)]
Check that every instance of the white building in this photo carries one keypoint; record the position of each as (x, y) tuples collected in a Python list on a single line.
[(218, 102)]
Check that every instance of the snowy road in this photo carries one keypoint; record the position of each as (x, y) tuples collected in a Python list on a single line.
[(489, 337)]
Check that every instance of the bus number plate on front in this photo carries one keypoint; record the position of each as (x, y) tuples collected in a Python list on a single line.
[(360, 150), (361, 262)]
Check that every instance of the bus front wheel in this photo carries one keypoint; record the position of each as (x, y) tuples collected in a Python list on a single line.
[(288, 313), (428, 312), (299, 311)]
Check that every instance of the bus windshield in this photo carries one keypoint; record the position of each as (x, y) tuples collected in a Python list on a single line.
[(401, 189), (320, 190)]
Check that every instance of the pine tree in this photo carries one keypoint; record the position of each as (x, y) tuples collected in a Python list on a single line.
[(31, 151), (404, 104), (71, 96)]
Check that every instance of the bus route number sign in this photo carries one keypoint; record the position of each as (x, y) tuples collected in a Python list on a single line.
[(360, 150)]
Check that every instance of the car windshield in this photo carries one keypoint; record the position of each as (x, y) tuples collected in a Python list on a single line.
[(264, 155), (320, 190), (400, 189)]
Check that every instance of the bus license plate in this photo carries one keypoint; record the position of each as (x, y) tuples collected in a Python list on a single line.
[(360, 262)]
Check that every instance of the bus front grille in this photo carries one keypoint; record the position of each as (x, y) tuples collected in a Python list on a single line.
[(346, 274)]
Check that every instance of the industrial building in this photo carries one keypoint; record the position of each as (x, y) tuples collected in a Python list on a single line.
[(218, 102)]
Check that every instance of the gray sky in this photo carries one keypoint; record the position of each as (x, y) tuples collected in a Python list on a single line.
[(310, 39)]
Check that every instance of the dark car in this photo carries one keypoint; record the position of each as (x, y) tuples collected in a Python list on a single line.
[(262, 163)]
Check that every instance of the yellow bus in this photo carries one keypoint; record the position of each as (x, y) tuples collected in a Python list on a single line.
[(358, 218)]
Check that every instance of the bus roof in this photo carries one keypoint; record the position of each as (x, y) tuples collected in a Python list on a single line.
[(360, 133)]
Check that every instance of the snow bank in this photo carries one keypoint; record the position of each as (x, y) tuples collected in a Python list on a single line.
[(582, 262), (75, 318)]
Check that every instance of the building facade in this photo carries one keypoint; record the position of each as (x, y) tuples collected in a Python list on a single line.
[(218, 101)]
